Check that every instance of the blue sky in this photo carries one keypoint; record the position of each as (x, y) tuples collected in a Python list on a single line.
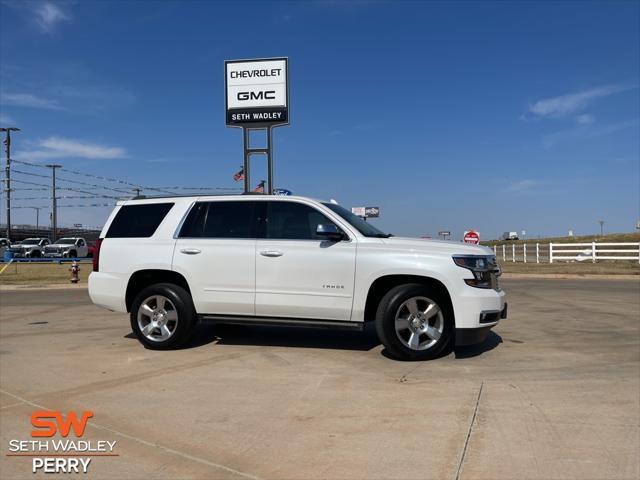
[(489, 115)]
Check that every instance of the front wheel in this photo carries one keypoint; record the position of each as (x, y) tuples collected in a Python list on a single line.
[(163, 316), (415, 323)]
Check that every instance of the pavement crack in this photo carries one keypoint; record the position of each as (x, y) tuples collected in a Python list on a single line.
[(404, 378), (466, 442)]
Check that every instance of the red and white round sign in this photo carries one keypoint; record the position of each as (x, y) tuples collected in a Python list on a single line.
[(471, 237)]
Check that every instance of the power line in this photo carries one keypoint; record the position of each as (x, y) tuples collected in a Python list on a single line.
[(70, 206), (123, 182), (99, 177), (63, 179), (84, 197), (45, 187)]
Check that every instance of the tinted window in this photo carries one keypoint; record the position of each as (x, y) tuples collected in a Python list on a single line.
[(294, 221), (138, 220), (220, 220)]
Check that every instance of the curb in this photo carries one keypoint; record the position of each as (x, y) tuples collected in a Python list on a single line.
[(54, 286)]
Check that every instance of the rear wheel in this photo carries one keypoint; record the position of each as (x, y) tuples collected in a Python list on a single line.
[(35, 254), (73, 254), (163, 317), (415, 323)]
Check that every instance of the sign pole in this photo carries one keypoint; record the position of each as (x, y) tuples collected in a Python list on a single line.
[(248, 151), (246, 162), (270, 160)]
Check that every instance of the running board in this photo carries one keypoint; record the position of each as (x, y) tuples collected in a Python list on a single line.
[(282, 322)]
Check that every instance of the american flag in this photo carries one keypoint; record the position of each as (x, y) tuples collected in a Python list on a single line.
[(259, 188), (239, 175)]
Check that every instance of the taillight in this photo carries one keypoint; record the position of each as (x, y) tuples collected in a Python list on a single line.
[(96, 255)]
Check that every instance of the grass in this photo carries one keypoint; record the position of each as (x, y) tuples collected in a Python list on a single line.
[(579, 268), (41, 273), (610, 237)]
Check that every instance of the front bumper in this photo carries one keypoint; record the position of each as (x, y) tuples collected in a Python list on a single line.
[(488, 320)]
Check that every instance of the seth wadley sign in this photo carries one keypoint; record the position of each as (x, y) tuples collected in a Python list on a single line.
[(256, 92)]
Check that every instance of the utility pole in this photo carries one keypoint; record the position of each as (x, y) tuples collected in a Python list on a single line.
[(601, 222), (7, 172), (137, 190), (37, 209), (54, 205)]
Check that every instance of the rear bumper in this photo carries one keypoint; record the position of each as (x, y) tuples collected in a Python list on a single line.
[(108, 291)]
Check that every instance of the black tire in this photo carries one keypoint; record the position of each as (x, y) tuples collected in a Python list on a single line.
[(186, 316), (73, 254), (386, 316), (35, 254)]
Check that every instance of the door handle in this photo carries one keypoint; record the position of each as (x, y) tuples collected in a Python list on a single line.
[(190, 251), (271, 253)]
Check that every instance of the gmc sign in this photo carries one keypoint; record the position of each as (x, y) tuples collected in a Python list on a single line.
[(256, 92)]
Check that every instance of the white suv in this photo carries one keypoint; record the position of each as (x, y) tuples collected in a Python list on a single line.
[(257, 259)]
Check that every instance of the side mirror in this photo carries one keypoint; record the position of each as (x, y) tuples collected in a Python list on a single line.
[(329, 231)]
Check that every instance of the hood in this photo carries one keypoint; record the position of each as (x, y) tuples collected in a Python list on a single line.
[(442, 246)]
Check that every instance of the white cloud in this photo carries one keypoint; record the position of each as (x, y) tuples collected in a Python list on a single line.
[(45, 15), (524, 185), (585, 119), (587, 131), (58, 147), (48, 15), (28, 100), (573, 102), (6, 120)]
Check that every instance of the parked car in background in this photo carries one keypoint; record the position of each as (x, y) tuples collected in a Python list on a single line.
[(29, 248), (69, 247), (510, 236)]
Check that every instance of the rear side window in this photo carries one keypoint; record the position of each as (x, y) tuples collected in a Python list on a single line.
[(221, 220), (138, 221)]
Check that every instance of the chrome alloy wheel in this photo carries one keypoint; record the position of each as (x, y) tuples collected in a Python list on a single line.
[(157, 318), (419, 323)]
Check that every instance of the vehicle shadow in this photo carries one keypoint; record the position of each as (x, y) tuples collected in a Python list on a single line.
[(298, 337), (491, 342), (201, 337), (273, 336)]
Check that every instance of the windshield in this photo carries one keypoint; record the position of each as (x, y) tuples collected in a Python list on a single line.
[(30, 241), (66, 241), (358, 223)]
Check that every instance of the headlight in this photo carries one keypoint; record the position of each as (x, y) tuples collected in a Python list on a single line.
[(484, 269), (473, 262)]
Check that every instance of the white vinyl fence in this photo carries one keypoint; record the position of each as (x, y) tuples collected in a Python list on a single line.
[(567, 252)]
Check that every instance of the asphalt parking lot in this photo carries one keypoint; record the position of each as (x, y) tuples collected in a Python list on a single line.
[(554, 393)]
